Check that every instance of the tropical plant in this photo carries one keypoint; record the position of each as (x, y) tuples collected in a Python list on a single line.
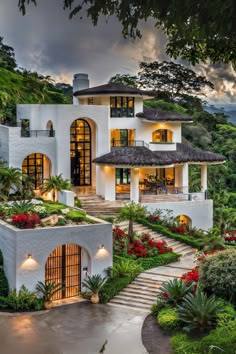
[(48, 289), (10, 180), (22, 300), (131, 212), (55, 184), (173, 291), (124, 267), (217, 274), (199, 312), (22, 207), (212, 241), (94, 283), (225, 217)]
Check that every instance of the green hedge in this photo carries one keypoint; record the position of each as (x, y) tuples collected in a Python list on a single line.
[(112, 287), (221, 337), (168, 319), (189, 240), (162, 259)]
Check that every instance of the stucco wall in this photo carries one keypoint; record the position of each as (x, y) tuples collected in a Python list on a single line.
[(17, 244), (200, 212), (4, 143)]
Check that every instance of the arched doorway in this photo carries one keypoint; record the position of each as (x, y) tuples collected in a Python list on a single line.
[(80, 152), (63, 266), (184, 220), (38, 167)]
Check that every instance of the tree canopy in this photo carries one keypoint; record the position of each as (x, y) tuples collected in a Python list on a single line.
[(7, 56), (196, 30), (125, 79)]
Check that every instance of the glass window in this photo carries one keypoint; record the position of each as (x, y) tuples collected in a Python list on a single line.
[(122, 106)]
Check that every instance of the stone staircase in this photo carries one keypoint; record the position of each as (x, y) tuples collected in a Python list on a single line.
[(96, 206), (142, 292), (177, 246)]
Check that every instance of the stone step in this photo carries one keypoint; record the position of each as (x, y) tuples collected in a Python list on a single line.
[(142, 288), (137, 295), (137, 306), (129, 300)]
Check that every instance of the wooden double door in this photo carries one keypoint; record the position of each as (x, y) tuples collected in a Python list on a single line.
[(63, 266)]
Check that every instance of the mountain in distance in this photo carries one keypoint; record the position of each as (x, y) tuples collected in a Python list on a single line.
[(228, 109)]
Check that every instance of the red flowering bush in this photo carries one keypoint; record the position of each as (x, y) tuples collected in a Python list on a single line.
[(230, 236), (25, 221), (155, 219), (181, 230), (143, 246)]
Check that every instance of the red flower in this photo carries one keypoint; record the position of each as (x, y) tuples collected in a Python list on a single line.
[(166, 295)]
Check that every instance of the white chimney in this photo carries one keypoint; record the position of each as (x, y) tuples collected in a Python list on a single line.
[(80, 82)]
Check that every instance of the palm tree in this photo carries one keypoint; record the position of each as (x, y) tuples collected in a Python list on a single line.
[(10, 179), (225, 217), (55, 184), (131, 212), (27, 186)]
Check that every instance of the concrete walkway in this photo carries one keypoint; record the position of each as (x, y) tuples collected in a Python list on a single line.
[(80, 328)]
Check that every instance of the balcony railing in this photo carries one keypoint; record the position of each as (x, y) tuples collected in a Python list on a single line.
[(125, 143), (122, 112), (25, 133)]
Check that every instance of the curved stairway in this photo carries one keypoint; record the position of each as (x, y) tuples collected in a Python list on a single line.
[(142, 292)]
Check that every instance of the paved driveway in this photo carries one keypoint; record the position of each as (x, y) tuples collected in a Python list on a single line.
[(80, 328)]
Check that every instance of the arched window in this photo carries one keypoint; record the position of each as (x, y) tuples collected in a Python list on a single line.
[(80, 153), (38, 167), (162, 136)]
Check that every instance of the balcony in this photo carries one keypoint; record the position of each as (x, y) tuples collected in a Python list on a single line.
[(26, 133), (125, 143)]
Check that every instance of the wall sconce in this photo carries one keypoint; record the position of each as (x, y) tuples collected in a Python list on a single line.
[(29, 256), (102, 247)]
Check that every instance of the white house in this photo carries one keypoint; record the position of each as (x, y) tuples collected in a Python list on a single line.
[(109, 142)]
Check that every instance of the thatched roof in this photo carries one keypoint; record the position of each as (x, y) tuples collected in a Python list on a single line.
[(111, 89), (156, 115), (142, 156)]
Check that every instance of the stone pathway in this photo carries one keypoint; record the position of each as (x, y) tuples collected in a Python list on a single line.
[(142, 292)]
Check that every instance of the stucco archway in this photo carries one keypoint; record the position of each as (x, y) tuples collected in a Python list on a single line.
[(65, 265), (38, 166), (184, 220)]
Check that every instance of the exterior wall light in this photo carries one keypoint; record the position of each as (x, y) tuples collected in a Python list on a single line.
[(30, 256), (102, 247)]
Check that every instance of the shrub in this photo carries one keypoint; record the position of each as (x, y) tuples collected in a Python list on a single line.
[(3, 302), (156, 308), (61, 222), (199, 312), (23, 300), (161, 259), (41, 211), (26, 221), (173, 291), (113, 286), (76, 216), (124, 267), (217, 274), (4, 288), (168, 319), (222, 339)]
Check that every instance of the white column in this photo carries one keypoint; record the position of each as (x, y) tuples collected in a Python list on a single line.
[(203, 178), (134, 185), (185, 178), (109, 182)]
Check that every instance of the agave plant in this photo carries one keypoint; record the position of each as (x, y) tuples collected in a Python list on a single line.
[(22, 207), (174, 291), (48, 289), (199, 312)]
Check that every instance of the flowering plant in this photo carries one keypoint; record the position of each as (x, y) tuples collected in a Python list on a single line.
[(143, 246), (230, 237), (25, 221)]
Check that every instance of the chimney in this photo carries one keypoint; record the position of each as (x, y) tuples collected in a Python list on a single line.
[(80, 82)]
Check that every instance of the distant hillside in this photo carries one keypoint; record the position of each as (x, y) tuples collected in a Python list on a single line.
[(229, 111)]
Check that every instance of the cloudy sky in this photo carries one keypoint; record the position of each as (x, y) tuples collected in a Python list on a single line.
[(45, 40)]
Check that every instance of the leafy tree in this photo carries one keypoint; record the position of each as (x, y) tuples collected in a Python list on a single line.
[(7, 56), (131, 212), (196, 30), (55, 184), (172, 78), (125, 79)]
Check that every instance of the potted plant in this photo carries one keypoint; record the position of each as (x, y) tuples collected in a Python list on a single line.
[(94, 283), (48, 290)]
